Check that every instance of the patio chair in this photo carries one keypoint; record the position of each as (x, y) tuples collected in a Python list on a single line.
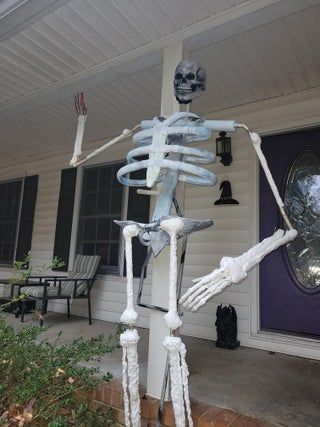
[(8, 293), (77, 285)]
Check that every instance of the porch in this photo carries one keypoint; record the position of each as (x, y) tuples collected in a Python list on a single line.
[(280, 389)]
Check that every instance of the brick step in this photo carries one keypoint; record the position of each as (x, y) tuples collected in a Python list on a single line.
[(109, 395)]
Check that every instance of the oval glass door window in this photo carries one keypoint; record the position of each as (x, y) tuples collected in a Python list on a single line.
[(302, 200)]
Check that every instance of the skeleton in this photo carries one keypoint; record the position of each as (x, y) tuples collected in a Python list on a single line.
[(169, 160)]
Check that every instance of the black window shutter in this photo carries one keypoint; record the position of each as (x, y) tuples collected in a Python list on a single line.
[(27, 216), (138, 210), (65, 216)]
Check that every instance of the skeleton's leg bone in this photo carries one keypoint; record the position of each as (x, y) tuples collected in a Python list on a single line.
[(129, 316), (233, 270), (130, 377), (172, 226), (178, 380)]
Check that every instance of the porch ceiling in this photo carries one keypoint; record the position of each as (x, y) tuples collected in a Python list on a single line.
[(251, 49)]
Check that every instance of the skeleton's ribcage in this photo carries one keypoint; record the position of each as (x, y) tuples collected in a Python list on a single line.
[(167, 149)]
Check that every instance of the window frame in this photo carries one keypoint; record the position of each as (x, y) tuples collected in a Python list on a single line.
[(77, 216), (18, 220)]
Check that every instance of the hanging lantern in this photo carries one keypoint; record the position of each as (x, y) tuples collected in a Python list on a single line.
[(223, 149)]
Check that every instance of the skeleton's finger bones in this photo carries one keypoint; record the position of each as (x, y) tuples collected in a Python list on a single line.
[(233, 270)]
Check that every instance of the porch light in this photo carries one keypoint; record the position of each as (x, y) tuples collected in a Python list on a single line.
[(223, 149)]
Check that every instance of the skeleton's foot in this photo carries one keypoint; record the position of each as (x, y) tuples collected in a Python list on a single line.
[(130, 377), (178, 380)]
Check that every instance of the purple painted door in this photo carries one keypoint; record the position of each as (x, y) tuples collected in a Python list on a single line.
[(290, 277)]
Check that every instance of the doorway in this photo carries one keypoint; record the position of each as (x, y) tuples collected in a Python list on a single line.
[(290, 276)]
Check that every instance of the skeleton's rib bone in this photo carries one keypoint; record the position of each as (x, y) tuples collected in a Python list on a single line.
[(129, 316), (148, 192), (79, 138), (172, 226), (193, 174), (233, 270), (130, 377), (178, 380)]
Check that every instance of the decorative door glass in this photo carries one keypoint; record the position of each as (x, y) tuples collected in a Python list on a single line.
[(302, 200)]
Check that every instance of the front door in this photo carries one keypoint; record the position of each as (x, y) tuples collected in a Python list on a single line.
[(290, 276)]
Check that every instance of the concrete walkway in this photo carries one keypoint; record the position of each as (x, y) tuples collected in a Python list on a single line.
[(278, 388)]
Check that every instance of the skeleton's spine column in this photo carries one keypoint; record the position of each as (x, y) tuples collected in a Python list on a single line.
[(157, 356)]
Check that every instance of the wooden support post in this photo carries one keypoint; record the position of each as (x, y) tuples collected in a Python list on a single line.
[(157, 356)]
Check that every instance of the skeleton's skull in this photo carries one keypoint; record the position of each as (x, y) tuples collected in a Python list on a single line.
[(189, 81)]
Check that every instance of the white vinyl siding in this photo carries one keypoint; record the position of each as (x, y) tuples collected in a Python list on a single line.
[(233, 231)]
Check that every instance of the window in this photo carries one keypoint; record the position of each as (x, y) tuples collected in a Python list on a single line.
[(10, 194), (16, 217), (101, 204)]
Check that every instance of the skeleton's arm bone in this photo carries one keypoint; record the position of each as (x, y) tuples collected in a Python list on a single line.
[(126, 133), (183, 119), (79, 138), (233, 270), (256, 142)]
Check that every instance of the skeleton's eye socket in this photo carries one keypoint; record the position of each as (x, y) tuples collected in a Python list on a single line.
[(190, 76), (178, 76)]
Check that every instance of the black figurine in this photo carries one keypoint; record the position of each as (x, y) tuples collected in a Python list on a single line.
[(226, 324)]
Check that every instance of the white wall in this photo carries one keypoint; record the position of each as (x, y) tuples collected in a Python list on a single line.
[(234, 230)]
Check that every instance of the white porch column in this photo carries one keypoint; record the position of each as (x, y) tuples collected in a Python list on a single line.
[(157, 356)]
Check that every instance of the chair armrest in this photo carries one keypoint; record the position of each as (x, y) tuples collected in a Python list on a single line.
[(40, 278), (75, 281)]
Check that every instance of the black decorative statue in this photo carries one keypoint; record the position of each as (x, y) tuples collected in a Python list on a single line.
[(226, 324)]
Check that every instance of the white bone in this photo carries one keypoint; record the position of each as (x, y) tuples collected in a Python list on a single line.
[(172, 226), (148, 192), (79, 139), (256, 142), (233, 270), (129, 316), (178, 380), (130, 377), (159, 139), (126, 133)]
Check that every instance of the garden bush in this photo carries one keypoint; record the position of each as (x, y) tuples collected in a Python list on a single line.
[(40, 380)]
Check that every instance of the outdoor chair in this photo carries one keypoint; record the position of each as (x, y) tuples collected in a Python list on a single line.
[(77, 285), (8, 293)]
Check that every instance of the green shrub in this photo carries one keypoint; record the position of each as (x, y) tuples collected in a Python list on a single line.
[(40, 380)]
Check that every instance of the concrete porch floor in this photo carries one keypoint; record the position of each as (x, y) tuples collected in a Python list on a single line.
[(278, 388)]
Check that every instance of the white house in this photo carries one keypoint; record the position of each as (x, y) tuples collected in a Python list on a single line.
[(262, 59)]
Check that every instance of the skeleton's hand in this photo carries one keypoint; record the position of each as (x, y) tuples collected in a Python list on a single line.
[(232, 270)]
